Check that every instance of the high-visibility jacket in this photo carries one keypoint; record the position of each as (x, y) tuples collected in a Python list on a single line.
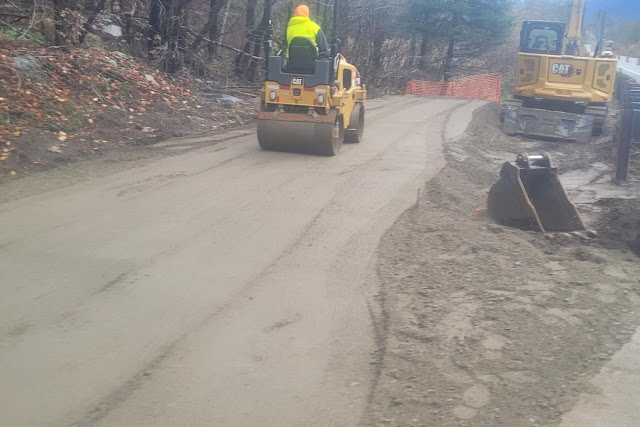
[(301, 26)]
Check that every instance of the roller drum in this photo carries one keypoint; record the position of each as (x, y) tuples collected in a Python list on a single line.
[(300, 133)]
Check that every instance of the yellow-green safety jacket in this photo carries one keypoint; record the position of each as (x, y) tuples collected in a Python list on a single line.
[(301, 26)]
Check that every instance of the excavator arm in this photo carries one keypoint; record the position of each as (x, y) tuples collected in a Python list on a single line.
[(574, 31)]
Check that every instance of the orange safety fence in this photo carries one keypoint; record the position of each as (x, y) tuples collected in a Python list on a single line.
[(480, 86)]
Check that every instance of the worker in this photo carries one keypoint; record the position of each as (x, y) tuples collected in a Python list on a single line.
[(541, 43), (301, 26)]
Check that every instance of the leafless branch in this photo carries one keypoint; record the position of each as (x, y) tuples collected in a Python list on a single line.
[(206, 40)]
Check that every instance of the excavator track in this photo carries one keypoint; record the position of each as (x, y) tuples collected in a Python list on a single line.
[(599, 114)]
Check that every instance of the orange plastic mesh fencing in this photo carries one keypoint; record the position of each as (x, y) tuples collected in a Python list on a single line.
[(480, 86)]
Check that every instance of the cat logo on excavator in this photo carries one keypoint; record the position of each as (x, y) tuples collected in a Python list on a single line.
[(565, 70)]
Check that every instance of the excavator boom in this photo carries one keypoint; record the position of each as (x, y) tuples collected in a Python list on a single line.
[(574, 32)]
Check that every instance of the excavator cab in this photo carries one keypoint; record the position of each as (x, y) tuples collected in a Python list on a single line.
[(541, 37)]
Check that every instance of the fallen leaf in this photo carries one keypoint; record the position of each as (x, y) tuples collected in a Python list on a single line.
[(12, 173), (17, 133), (62, 136), (3, 158), (90, 120), (55, 149)]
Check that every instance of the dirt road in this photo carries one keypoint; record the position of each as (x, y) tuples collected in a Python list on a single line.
[(221, 285)]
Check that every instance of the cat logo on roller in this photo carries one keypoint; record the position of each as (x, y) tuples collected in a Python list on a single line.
[(565, 70)]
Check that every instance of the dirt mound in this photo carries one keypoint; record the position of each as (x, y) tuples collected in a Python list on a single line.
[(489, 325), (619, 224)]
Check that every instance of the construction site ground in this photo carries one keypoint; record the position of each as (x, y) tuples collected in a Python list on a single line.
[(484, 325), (206, 282)]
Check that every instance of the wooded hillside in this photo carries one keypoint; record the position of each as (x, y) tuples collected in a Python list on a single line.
[(390, 41)]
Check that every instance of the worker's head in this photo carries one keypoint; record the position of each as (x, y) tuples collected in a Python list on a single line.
[(302, 10)]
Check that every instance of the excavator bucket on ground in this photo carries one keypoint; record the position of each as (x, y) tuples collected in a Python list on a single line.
[(529, 195)]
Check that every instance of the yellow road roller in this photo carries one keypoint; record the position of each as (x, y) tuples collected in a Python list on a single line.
[(310, 104)]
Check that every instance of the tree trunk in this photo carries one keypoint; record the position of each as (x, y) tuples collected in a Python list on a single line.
[(242, 60), (378, 41), (127, 12), (166, 19), (413, 47), (214, 31), (326, 9), (252, 70), (424, 44), (154, 32), (173, 57), (93, 9), (258, 38), (376, 57), (250, 17), (448, 60), (58, 20), (225, 16)]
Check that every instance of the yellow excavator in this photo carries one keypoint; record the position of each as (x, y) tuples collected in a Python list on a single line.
[(558, 93), (310, 104)]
